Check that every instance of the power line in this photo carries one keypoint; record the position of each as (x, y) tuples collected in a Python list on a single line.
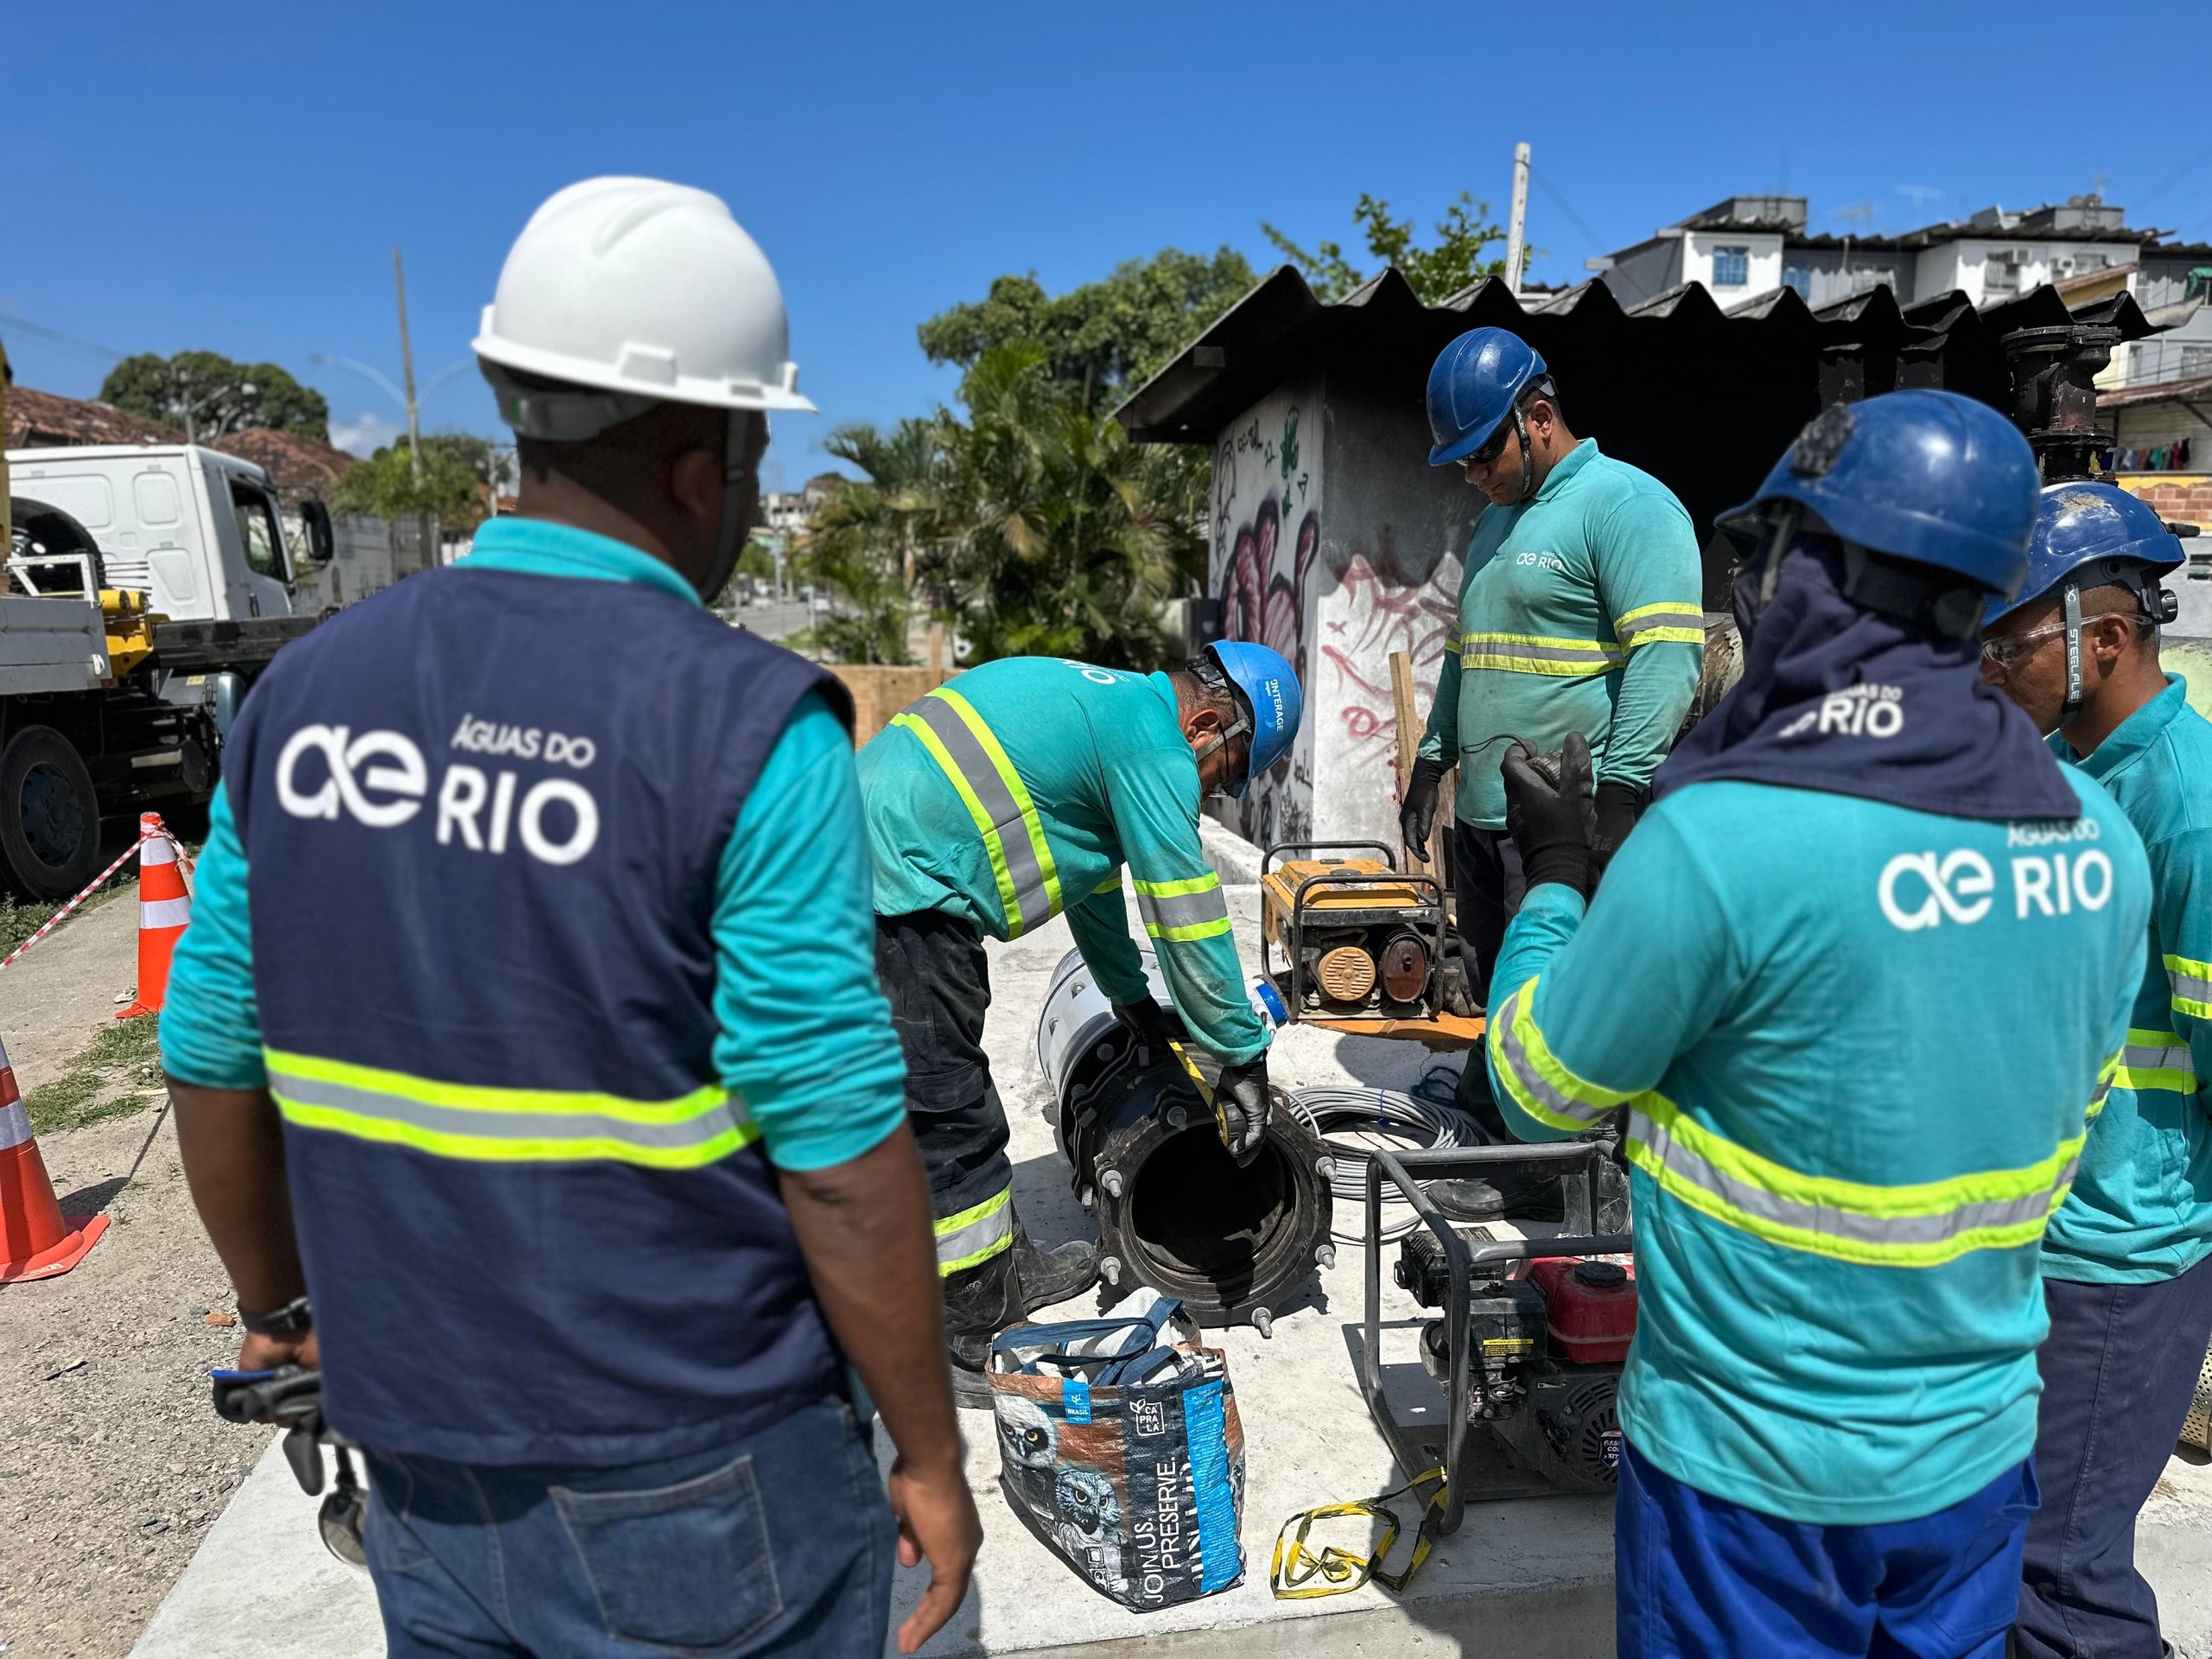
[(1574, 219), (53, 337)]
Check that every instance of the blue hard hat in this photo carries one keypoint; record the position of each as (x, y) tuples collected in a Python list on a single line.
[(1929, 476), (2100, 531), (1472, 387), (1271, 688)]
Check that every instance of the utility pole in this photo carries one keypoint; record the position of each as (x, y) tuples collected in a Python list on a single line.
[(407, 368), (1517, 227)]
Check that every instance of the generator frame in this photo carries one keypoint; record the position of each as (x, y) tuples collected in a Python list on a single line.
[(1295, 922), (1418, 1447)]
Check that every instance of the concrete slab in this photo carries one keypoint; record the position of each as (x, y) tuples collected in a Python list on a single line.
[(1532, 1577)]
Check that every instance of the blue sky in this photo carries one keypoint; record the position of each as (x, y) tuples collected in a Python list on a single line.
[(233, 177)]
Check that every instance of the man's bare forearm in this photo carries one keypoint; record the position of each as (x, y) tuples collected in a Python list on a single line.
[(864, 1228), (233, 1150)]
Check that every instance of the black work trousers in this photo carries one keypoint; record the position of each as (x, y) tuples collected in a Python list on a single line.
[(1487, 883), (2118, 1371), (933, 970)]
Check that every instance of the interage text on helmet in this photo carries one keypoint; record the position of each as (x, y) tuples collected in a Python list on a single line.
[(380, 779)]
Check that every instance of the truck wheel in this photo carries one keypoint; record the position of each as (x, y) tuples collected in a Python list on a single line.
[(49, 817)]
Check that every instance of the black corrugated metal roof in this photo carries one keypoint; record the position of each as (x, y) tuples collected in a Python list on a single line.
[(1702, 398)]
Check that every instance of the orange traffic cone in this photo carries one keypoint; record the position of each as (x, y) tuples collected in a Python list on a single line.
[(164, 911), (36, 1240)]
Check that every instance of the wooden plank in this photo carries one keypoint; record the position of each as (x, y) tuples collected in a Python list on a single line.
[(1409, 727), (1444, 1033)]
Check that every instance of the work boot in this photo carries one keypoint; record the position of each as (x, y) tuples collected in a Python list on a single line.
[(984, 1300)]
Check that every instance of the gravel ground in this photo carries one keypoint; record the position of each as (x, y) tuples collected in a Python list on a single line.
[(112, 1465)]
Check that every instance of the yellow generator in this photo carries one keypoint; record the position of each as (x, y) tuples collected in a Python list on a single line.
[(1363, 944)]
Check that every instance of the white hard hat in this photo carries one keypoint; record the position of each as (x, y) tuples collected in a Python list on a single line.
[(644, 289)]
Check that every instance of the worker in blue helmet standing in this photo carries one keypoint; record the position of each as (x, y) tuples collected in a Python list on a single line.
[(2127, 1267), (1014, 794), (1580, 611), (1859, 978)]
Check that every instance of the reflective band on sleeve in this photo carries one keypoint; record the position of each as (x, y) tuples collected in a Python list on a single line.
[(977, 1234), (1014, 836), (2192, 986), (485, 1125), (2107, 1075), (164, 912), (2157, 1059), (1530, 653), (1539, 1084), (1179, 911), (1669, 621), (1922, 1225)]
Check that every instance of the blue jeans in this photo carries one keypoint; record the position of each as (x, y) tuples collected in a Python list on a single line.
[(2118, 1368), (1697, 1576), (780, 1544)]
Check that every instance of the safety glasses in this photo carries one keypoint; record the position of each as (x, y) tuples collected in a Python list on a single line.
[(1493, 446), (2002, 650)]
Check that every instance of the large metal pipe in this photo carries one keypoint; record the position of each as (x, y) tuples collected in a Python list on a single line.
[(1174, 1211)]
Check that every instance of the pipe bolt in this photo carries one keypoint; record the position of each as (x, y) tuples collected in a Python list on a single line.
[(1325, 1168), (1176, 1117), (1264, 1322), (1111, 1180), (1110, 1268), (1326, 1256)]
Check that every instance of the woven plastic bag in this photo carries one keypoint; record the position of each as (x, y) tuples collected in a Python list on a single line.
[(1120, 1448)]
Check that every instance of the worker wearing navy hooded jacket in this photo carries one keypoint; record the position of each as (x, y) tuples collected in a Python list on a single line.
[(2128, 1268), (1858, 978)]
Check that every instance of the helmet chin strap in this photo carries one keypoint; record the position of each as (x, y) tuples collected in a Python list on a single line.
[(1528, 456), (2069, 605)]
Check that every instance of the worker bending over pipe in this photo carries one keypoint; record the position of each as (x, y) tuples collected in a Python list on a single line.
[(995, 804), (1857, 1051)]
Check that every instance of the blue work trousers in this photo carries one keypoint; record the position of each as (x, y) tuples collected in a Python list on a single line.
[(2118, 1369), (780, 1544), (1701, 1578)]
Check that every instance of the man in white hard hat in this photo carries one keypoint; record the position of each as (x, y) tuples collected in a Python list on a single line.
[(549, 1103)]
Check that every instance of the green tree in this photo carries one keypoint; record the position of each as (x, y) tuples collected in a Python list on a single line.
[(866, 535), (1104, 339), (1437, 272), (212, 397), (455, 466)]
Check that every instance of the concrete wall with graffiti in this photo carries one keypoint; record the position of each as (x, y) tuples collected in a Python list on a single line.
[(1389, 580), (1267, 530), (1336, 589)]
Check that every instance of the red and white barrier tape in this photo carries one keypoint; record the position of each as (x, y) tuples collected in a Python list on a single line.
[(64, 913)]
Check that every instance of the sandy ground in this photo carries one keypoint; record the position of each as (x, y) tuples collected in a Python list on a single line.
[(112, 1465)]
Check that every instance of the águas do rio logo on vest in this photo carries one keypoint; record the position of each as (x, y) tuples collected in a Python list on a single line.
[(380, 779)]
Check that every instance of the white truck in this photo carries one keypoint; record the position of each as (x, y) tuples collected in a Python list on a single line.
[(143, 589)]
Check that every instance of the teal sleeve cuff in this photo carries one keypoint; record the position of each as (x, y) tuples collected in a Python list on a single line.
[(805, 1036), (1100, 923), (211, 1024)]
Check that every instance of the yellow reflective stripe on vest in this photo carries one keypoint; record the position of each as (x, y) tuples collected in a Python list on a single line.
[(977, 1234), (2157, 1059), (2192, 986), (1669, 621), (2107, 1075), (977, 764), (484, 1125), (1920, 1225), (1533, 653), (1181, 910), (1540, 1085)]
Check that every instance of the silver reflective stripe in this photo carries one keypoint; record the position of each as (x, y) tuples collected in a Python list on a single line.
[(164, 912), (1183, 909), (509, 1126), (981, 1238), (1831, 1222), (1033, 903), (2136, 1056), (2188, 987), (1508, 1035), (1476, 651)]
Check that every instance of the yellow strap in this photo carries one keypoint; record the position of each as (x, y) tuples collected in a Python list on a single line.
[(1206, 1096), (1294, 1567)]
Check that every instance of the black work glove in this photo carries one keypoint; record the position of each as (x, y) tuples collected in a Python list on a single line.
[(1240, 1103), (1619, 805), (1552, 819), (1148, 1023), (1419, 810)]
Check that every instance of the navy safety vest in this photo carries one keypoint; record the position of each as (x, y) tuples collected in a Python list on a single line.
[(482, 815)]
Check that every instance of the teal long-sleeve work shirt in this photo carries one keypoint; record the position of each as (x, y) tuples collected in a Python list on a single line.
[(1578, 611), (1859, 1046), (805, 1034)]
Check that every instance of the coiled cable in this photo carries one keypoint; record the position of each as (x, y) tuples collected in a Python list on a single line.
[(1355, 1121)]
